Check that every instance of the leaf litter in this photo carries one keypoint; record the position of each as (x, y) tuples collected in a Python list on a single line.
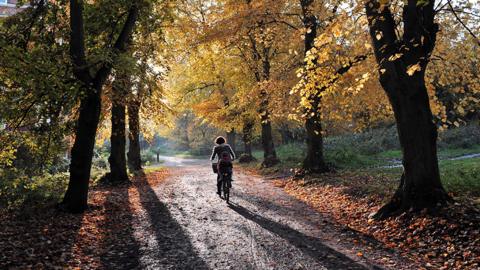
[(449, 239), (100, 238)]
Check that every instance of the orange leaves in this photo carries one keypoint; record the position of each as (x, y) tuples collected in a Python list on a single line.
[(449, 240), (50, 239)]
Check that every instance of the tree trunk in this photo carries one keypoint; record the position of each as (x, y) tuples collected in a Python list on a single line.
[(117, 159), (76, 196), (158, 157), (247, 156), (269, 153), (75, 199), (314, 162), (286, 133), (420, 185), (231, 136), (134, 158), (247, 136)]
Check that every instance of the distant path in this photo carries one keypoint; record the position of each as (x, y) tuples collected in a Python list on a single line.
[(398, 163), (171, 161), (264, 228)]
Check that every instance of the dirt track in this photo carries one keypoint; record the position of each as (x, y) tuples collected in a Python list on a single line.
[(185, 225)]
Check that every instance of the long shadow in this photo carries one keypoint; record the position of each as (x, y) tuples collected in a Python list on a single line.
[(175, 250), (327, 218), (120, 248), (311, 246), (40, 239)]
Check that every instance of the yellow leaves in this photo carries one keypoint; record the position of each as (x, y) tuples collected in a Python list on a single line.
[(323, 39), (337, 32), (378, 35), (384, 2), (7, 155), (413, 68), (395, 57), (475, 100)]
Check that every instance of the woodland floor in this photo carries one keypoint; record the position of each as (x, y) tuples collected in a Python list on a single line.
[(449, 239), (172, 219)]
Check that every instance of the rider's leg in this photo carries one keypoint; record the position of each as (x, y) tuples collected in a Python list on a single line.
[(219, 184), (230, 182)]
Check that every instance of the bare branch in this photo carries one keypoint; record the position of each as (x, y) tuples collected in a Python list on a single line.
[(462, 23)]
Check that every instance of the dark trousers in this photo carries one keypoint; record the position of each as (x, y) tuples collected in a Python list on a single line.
[(219, 180), (219, 184)]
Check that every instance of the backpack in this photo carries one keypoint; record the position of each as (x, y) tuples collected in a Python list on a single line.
[(225, 163), (225, 157)]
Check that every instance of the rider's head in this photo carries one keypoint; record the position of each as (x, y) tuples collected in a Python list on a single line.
[(220, 140)]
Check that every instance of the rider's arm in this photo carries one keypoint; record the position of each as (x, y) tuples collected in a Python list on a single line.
[(231, 152), (213, 154)]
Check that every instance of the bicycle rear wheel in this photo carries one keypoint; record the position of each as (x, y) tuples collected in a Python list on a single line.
[(226, 190)]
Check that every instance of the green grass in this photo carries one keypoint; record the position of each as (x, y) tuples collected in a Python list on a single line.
[(188, 154), (445, 153), (153, 168), (460, 177), (391, 154)]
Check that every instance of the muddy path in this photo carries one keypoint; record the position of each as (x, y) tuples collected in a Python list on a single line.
[(187, 226)]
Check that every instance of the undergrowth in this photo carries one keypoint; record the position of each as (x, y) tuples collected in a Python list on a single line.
[(367, 154)]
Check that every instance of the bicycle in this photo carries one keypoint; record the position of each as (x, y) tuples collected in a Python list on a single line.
[(226, 182), (226, 185)]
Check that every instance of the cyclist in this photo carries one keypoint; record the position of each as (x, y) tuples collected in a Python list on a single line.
[(225, 156)]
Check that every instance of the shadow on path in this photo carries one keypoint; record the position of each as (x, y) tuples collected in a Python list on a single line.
[(174, 250), (312, 246), (119, 246), (325, 218)]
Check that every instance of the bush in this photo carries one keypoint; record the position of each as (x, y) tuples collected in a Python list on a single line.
[(148, 157), (100, 158), (462, 137), (370, 142), (347, 158), (18, 190), (244, 158)]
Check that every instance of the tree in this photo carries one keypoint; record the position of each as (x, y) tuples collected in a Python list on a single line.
[(37, 90), (453, 72), (134, 158), (402, 61), (75, 199), (314, 160), (248, 125), (118, 163)]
